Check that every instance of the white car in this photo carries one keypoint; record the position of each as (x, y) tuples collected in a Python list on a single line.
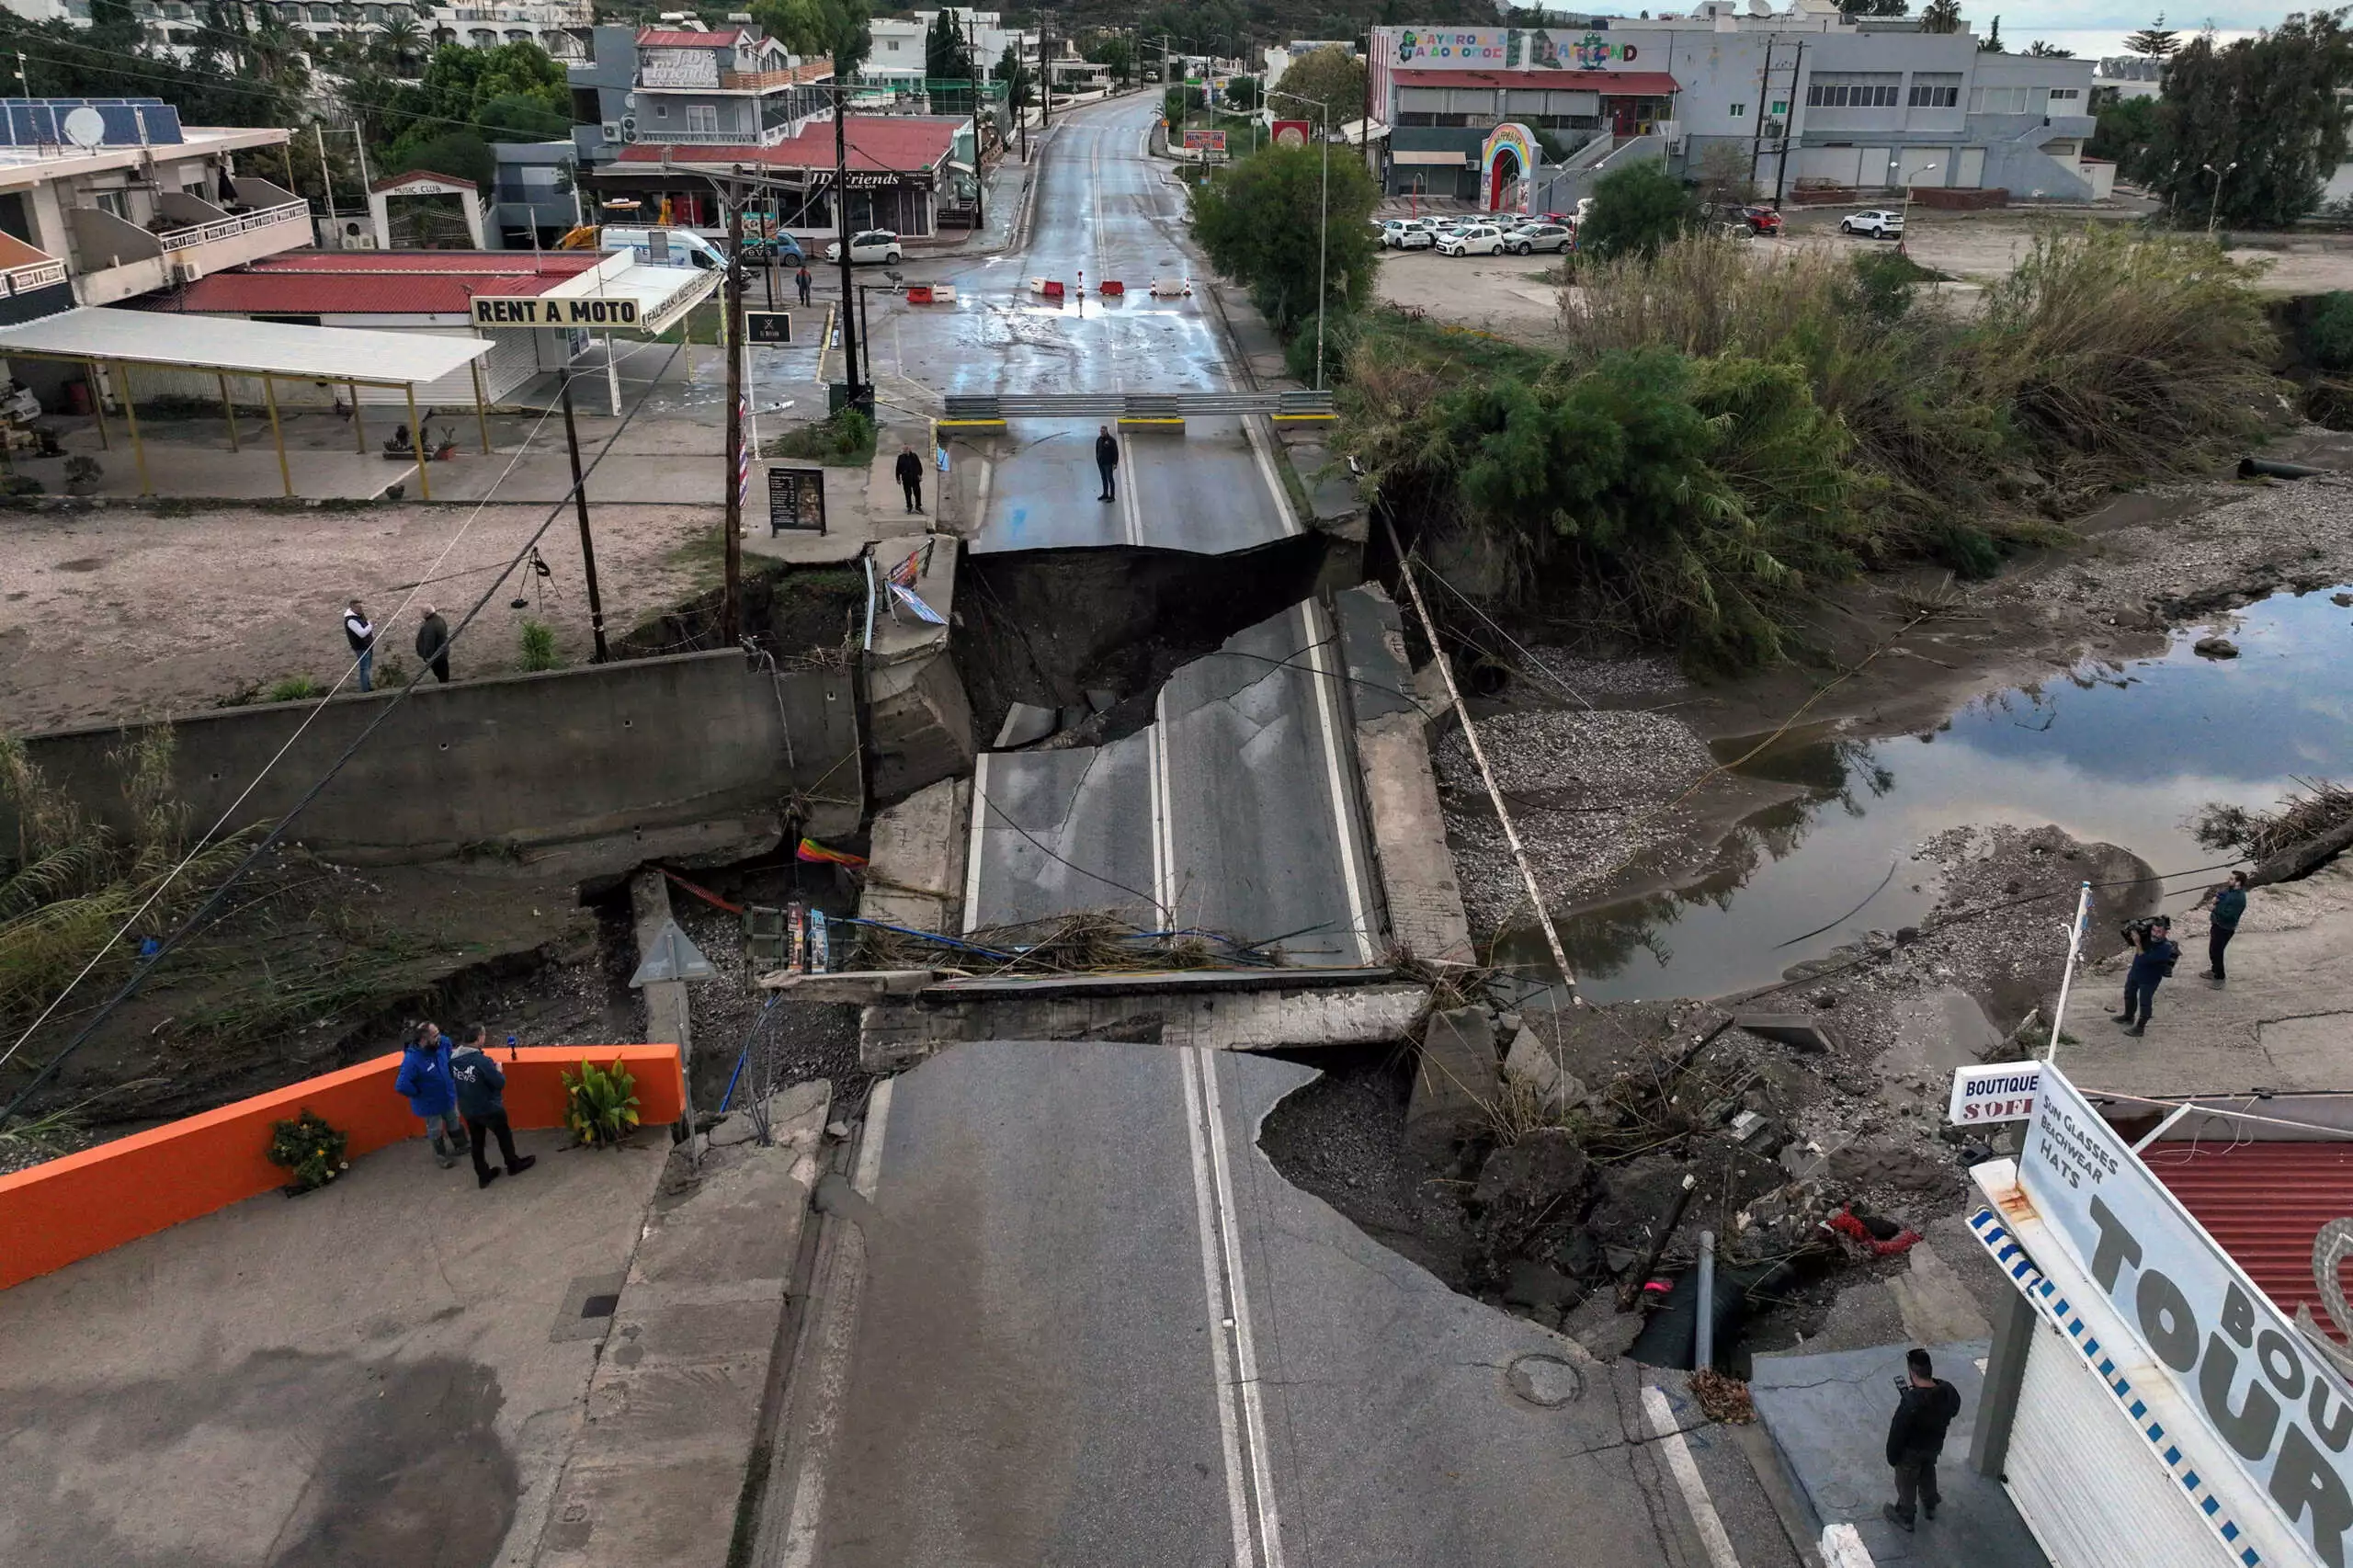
[(1479, 239), (1531, 237), (1412, 237), (1393, 232), (1879, 223), (874, 245)]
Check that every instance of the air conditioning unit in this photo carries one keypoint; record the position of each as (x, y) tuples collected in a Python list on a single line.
[(186, 272), (628, 128), (612, 131)]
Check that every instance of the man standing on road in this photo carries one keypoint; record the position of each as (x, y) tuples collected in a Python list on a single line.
[(2230, 908), (433, 644), (801, 282), (481, 1101), (361, 635), (2155, 952), (910, 473), (1916, 1436), (423, 1079), (1106, 463)]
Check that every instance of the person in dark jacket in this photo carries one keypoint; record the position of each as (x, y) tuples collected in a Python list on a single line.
[(1106, 463), (910, 473), (1916, 1436), (360, 633), (801, 282), (482, 1101), (2155, 952), (425, 1080), (2230, 908), (433, 643)]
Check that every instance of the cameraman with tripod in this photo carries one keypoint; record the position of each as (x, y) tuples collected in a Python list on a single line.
[(2155, 952)]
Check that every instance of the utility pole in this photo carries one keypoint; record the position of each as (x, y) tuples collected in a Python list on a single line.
[(841, 225), (1764, 89), (325, 184), (980, 157), (587, 545), (730, 604), (1045, 70), (1789, 127)]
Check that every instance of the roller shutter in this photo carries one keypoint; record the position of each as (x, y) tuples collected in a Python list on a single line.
[(2085, 1479)]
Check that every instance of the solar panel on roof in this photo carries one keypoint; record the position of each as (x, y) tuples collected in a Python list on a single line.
[(130, 122)]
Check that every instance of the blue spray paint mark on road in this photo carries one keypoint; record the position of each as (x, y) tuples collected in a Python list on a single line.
[(1021, 516)]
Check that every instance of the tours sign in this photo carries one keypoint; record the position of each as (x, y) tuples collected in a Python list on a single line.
[(536, 310)]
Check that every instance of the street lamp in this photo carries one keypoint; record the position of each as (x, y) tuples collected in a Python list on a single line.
[(2215, 208), (1324, 221), (1903, 219)]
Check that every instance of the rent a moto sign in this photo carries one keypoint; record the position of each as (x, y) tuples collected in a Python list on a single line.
[(2270, 1405)]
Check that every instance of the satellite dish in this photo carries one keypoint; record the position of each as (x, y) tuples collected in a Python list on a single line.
[(86, 127)]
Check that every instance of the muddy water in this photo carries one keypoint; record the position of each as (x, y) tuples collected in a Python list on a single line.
[(2125, 754)]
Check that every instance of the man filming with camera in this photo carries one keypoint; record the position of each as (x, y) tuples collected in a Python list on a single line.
[(2155, 952)]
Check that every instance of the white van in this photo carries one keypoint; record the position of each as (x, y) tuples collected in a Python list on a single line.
[(664, 247)]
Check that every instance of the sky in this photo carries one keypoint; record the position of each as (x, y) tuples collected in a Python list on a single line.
[(2085, 28)]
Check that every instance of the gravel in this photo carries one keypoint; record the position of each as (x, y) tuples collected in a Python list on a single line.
[(1588, 792), (796, 1040), (1588, 677)]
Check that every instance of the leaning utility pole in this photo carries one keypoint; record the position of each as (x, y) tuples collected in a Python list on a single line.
[(1764, 90), (587, 545), (732, 338), (841, 225)]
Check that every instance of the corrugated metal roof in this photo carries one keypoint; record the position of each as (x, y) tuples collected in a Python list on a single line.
[(880, 143), (2263, 1203), (658, 37), (244, 347), (374, 282), (1613, 84)]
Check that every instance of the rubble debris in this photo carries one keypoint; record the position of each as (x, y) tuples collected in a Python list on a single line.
[(1025, 722), (1533, 1064), (1790, 1029), (1455, 1083), (1722, 1397)]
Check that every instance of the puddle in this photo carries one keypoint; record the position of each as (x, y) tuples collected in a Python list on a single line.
[(2122, 753)]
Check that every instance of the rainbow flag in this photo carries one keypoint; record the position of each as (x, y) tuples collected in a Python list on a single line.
[(811, 850)]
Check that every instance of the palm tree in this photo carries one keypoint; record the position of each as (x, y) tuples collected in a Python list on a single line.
[(401, 39)]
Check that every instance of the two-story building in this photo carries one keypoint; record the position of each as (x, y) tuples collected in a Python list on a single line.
[(675, 87), (1803, 98), (554, 24)]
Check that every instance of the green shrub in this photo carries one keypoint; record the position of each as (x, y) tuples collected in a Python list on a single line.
[(2328, 332), (1635, 211), (844, 438), (293, 689), (539, 646), (1884, 279), (600, 1103), (310, 1150)]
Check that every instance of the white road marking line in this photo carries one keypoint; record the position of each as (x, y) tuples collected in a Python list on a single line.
[(1125, 477), (1343, 806), (1686, 1470), (988, 482), (1244, 1345), (1213, 1288), (1267, 471), (1164, 892), (972, 846), (1842, 1546), (838, 1331)]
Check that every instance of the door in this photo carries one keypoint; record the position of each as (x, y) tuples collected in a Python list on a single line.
[(2086, 1481), (1925, 166), (1831, 165), (1875, 165), (1969, 170)]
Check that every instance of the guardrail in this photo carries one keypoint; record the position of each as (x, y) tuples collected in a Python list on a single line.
[(35, 275), (1301, 405), (205, 234)]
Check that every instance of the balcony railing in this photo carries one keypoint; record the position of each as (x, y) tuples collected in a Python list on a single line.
[(33, 275), (244, 222), (755, 81), (659, 136)]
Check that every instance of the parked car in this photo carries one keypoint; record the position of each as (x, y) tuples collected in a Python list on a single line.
[(1879, 223), (1478, 239), (1761, 219), (1393, 232), (874, 245), (782, 251), (1531, 237)]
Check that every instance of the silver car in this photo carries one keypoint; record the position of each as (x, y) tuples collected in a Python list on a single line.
[(1531, 237)]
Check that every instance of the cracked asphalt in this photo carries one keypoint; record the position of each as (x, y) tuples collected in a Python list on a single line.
[(1036, 1377)]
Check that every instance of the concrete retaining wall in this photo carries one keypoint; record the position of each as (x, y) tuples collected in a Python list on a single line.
[(598, 768)]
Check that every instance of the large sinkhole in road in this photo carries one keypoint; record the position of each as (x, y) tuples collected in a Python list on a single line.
[(1068, 629)]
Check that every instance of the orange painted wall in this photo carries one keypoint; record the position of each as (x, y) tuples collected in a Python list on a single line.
[(88, 1203)]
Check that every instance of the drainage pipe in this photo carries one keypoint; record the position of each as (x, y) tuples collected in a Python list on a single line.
[(2266, 468), (1703, 1328)]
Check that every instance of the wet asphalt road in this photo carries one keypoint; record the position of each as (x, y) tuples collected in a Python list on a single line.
[(1097, 1327)]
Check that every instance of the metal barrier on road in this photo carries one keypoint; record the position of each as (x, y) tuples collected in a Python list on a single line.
[(1160, 409)]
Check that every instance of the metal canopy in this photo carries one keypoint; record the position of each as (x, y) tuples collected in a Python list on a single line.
[(664, 294), (243, 348)]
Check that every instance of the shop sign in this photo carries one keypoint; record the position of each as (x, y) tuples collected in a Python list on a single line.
[(1291, 133), (2263, 1395), (430, 185), (1510, 47), (767, 329), (510, 310), (871, 181), (1984, 1096), (1205, 141)]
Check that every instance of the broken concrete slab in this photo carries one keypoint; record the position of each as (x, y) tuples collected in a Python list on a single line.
[(665, 1000), (895, 1034), (675, 1412), (1372, 640), (788, 1109), (1425, 914), (914, 870), (1455, 1081), (1534, 1063), (1025, 722), (849, 984), (920, 723), (1932, 1300), (1802, 1031)]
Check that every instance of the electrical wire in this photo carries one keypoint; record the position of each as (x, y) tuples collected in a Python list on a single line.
[(277, 832), (211, 835)]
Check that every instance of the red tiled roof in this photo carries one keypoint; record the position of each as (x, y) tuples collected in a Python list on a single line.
[(15, 253), (2263, 1203), (884, 143), (1611, 83), (657, 38), (400, 283)]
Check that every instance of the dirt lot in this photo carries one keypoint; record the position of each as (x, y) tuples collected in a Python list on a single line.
[(107, 614), (1503, 294)]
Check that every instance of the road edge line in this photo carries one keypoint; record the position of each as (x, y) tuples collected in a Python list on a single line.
[(1343, 801), (1686, 1470), (1222, 1369), (1254, 1408)]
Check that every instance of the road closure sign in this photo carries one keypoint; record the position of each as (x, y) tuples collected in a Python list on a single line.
[(533, 309), (2003, 1092)]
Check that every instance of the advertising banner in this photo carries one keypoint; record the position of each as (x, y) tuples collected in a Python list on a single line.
[(1205, 141), (1291, 133)]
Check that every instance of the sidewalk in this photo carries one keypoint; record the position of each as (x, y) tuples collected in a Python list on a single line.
[(1828, 1416)]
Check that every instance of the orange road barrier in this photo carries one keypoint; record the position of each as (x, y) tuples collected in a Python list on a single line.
[(84, 1204), (918, 293), (1112, 289)]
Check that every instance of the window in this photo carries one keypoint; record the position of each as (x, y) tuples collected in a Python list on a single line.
[(1934, 91), (1998, 100), (891, 44), (1739, 109), (2067, 92), (115, 202), (702, 119), (1853, 89)]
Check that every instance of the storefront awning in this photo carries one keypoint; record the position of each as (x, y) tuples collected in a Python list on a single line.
[(664, 294), (243, 348)]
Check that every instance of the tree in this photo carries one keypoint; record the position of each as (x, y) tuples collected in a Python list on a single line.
[(1242, 95), (1021, 90), (1941, 17), (2154, 42), (2047, 52), (1114, 51), (402, 42), (2264, 112), (1331, 75), (1875, 8), (946, 55), (831, 29), (2125, 129), (1257, 222), (1992, 42), (1635, 211)]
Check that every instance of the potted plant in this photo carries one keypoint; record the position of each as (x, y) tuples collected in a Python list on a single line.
[(82, 473), (308, 1149), (600, 1104)]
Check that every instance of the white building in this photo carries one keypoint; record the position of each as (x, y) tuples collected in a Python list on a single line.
[(179, 25), (898, 51), (1278, 56)]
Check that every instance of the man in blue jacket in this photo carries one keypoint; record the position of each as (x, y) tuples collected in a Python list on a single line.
[(431, 1092), (482, 1101), (2230, 908), (2155, 952)]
